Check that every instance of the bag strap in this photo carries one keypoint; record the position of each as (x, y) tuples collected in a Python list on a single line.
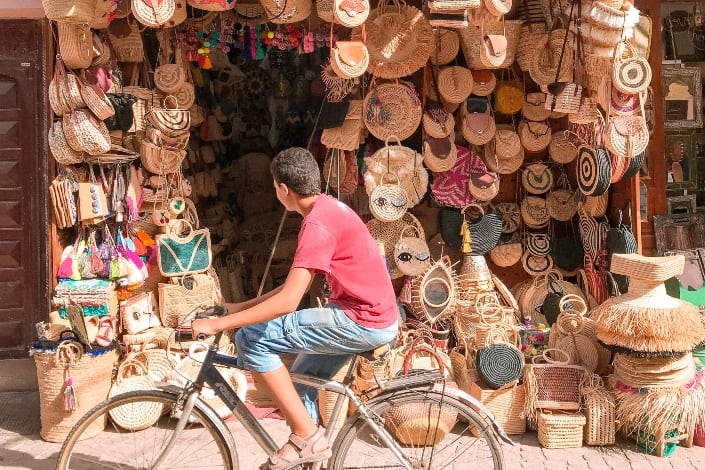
[(565, 41)]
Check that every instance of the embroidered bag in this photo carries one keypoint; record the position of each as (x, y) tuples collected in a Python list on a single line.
[(183, 250)]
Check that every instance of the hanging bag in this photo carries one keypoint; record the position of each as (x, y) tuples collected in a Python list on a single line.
[(349, 59), (411, 252), (479, 236), (183, 250), (169, 118), (631, 72), (493, 52), (537, 178), (594, 170)]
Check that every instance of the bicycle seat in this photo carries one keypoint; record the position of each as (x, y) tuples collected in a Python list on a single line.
[(375, 354)]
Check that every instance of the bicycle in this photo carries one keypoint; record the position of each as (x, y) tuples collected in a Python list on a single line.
[(450, 428)]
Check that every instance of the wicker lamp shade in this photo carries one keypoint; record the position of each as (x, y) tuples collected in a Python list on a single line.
[(399, 40)]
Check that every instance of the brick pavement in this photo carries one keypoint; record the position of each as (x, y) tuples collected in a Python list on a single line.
[(22, 448)]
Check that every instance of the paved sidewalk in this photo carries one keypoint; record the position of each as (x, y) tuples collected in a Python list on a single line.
[(22, 448)]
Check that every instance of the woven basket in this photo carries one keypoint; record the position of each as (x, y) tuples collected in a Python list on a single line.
[(133, 375), (177, 301), (169, 78), (392, 109), (506, 403), (387, 234), (97, 102), (555, 385), (595, 206), (478, 128), (91, 381), (534, 108), (405, 163), (599, 410), (627, 136), (399, 40), (455, 84), (506, 254), (129, 47), (504, 154), (596, 68), (562, 204), (70, 11), (445, 46), (558, 430), (285, 11), (75, 45), (160, 160), (499, 364), (327, 399), (411, 252), (471, 41)]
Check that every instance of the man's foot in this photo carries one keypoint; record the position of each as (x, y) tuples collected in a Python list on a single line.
[(298, 450)]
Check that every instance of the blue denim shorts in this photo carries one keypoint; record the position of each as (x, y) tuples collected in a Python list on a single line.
[(326, 330)]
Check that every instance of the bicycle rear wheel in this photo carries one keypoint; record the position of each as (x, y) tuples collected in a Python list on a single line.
[(434, 431), (205, 442)]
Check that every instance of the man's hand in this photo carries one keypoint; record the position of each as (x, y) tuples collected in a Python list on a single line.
[(206, 326)]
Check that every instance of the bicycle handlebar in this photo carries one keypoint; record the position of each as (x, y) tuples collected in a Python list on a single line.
[(217, 311)]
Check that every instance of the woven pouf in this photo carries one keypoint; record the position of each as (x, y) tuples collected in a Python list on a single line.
[(560, 430)]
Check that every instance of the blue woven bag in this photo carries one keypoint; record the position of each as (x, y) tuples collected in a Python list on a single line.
[(184, 250)]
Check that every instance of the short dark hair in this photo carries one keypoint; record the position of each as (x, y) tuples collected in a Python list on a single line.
[(297, 168)]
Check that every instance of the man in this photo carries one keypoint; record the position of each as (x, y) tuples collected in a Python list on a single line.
[(361, 314)]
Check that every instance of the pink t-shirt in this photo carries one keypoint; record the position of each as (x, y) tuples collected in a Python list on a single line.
[(334, 241)]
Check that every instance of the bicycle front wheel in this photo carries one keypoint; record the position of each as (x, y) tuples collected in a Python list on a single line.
[(433, 431), (96, 442)]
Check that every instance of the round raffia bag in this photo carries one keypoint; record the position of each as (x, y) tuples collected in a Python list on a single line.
[(534, 212), (627, 136), (547, 56), (153, 13), (433, 292), (562, 204), (631, 73), (96, 100), (529, 34), (595, 206), (287, 11), (133, 375), (75, 45), (534, 108), (445, 46), (484, 186), (511, 216), (170, 77), (349, 59), (126, 39), (563, 147), (455, 84), (439, 154), (504, 154), (392, 109), (438, 122), (388, 200), (478, 128), (506, 254), (472, 41), (485, 82), (509, 95), (594, 170), (402, 161), (411, 252), (534, 136), (537, 178), (387, 234)]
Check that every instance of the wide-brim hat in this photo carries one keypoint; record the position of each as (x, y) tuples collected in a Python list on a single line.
[(399, 40)]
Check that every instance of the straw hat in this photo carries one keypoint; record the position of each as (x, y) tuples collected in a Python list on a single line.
[(455, 83), (399, 40), (547, 53), (445, 46), (153, 13), (646, 320)]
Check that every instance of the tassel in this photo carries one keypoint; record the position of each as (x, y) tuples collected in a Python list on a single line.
[(467, 238), (70, 403), (405, 294), (207, 65)]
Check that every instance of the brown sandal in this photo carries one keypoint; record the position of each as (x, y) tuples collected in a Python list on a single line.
[(313, 449)]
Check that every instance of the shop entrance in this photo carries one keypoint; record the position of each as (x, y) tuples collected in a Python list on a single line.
[(23, 168)]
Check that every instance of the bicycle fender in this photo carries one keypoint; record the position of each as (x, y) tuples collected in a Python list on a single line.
[(475, 404)]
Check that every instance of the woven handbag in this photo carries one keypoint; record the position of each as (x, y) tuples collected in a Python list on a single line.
[(553, 384), (133, 375), (594, 170), (631, 72), (562, 200), (411, 252), (70, 11), (454, 83), (511, 216), (509, 94), (479, 236), (534, 136), (169, 118), (161, 160), (96, 100), (499, 364), (388, 200), (563, 147), (84, 132), (349, 59), (620, 239), (137, 313), (453, 5), (627, 136), (75, 45), (534, 212), (484, 186), (351, 13), (170, 77), (534, 108), (493, 51), (537, 178), (599, 410), (504, 154), (438, 122), (506, 254), (392, 109), (478, 127), (183, 295), (538, 244), (440, 154), (183, 250)]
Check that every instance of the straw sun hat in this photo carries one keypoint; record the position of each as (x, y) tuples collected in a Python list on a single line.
[(399, 39), (646, 321)]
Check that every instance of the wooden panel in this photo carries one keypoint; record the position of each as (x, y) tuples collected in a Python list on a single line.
[(23, 168)]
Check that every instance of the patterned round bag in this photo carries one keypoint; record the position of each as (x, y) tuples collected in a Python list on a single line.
[(411, 253), (478, 128), (563, 147), (594, 170), (534, 212), (534, 108), (534, 136), (480, 235), (504, 154), (506, 254), (388, 200), (627, 135), (511, 216), (631, 73), (536, 265), (595, 206), (538, 244), (450, 188), (537, 178), (562, 204)]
